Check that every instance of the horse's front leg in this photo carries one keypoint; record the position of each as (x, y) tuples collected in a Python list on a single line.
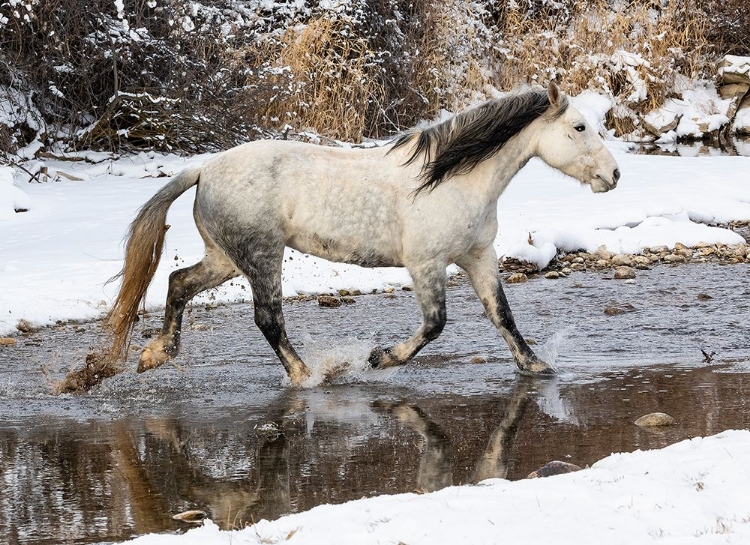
[(484, 276), (429, 287)]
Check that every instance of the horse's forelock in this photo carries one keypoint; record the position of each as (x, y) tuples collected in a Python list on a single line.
[(462, 142)]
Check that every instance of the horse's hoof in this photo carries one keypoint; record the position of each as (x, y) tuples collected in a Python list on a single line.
[(151, 358), (537, 368), (299, 375), (381, 358)]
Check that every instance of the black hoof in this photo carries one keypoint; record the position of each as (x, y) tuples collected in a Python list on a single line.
[(376, 357)]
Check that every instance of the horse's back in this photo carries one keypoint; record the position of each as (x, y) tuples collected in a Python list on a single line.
[(337, 203)]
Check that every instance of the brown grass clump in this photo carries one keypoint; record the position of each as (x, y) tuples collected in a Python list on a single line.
[(336, 80)]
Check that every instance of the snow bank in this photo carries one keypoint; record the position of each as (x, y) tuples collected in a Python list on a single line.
[(690, 492), (12, 197)]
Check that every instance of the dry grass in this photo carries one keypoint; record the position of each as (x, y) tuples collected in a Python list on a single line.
[(633, 51), (335, 79)]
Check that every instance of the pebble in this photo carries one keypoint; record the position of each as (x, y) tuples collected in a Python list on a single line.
[(517, 278), (654, 420), (7, 341), (614, 310), (622, 260), (553, 468), (552, 275), (478, 359), (624, 273), (194, 515), (329, 301)]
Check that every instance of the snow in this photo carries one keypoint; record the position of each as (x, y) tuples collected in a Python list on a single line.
[(690, 492), (57, 257), (700, 111)]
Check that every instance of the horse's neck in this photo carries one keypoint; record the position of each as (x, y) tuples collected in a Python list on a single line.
[(511, 158)]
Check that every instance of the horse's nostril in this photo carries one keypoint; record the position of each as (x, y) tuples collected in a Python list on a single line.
[(616, 175)]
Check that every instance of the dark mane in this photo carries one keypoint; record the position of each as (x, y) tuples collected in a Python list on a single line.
[(461, 143)]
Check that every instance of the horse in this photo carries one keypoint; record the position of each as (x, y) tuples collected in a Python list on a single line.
[(424, 201)]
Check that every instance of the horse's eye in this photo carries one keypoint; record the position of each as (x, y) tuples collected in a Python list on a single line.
[(580, 128)]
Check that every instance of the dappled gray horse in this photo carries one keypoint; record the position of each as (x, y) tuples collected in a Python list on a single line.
[(427, 200)]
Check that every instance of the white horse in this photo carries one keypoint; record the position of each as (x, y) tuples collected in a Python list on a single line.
[(424, 202)]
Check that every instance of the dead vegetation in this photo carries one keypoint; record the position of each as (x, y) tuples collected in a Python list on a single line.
[(168, 75)]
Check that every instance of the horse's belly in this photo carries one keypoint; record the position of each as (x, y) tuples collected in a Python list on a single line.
[(355, 252)]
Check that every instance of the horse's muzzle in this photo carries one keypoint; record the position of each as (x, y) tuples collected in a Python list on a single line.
[(601, 183)]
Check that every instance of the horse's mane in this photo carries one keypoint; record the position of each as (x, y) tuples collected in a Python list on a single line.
[(462, 142)]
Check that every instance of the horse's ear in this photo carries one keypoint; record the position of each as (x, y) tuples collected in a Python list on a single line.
[(554, 94)]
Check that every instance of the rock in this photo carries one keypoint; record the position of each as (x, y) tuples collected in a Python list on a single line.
[(704, 297), (654, 420), (517, 278), (348, 300), (673, 258), (7, 341), (734, 92), (602, 263), (734, 69), (25, 327), (657, 249), (194, 516), (622, 260), (511, 264), (603, 253), (389, 289), (478, 359), (329, 301), (553, 468), (614, 310), (200, 327), (661, 124), (552, 275), (624, 273), (744, 105), (406, 288)]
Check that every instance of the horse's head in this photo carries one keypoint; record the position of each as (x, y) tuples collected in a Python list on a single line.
[(568, 143)]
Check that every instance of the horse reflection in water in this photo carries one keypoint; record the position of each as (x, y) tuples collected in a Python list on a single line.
[(423, 202), (265, 492)]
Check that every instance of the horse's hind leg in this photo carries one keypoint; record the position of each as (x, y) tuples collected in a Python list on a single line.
[(483, 274), (184, 284), (263, 269), (429, 287)]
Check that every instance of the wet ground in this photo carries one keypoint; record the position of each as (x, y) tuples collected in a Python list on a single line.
[(220, 431)]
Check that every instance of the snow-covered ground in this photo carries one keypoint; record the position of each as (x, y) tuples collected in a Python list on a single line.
[(56, 257)]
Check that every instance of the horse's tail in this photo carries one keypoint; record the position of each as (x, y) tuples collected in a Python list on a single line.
[(143, 249)]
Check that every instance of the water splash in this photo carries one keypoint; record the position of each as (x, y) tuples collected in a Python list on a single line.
[(549, 350), (341, 363)]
